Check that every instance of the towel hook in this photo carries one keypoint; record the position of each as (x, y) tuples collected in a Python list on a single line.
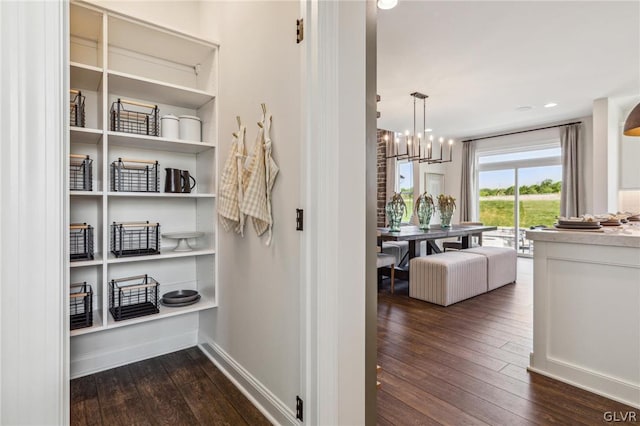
[(264, 108), (238, 120)]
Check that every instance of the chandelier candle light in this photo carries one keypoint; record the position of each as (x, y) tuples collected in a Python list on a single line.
[(414, 142)]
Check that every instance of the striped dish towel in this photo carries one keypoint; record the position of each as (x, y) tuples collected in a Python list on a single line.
[(232, 187), (262, 174)]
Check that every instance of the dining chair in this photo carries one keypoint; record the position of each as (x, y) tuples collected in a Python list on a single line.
[(457, 245), (385, 260)]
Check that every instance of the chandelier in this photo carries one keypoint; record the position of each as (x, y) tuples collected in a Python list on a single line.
[(416, 146)]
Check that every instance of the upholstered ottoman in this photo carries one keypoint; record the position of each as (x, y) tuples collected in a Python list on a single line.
[(447, 278), (501, 266)]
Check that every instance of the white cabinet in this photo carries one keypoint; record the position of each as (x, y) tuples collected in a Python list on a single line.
[(112, 57)]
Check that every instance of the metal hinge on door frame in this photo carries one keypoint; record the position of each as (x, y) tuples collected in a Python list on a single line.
[(299, 219), (299, 408), (299, 30)]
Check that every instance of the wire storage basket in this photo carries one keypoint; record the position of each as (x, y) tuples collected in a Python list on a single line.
[(133, 297), (134, 176), (80, 241), (80, 173), (76, 111), (134, 117), (80, 305), (135, 239)]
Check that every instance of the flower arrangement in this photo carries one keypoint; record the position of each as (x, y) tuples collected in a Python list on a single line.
[(446, 202), (395, 211), (424, 209), (446, 207)]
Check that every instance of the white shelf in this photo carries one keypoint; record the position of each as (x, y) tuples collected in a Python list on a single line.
[(85, 193), (97, 325), (97, 260), (159, 195), (165, 312), (204, 303), (168, 253), (85, 135), (116, 56), (150, 90), (157, 143), (85, 77)]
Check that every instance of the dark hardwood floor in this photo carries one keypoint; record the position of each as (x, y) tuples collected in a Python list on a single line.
[(463, 364), (180, 388), (466, 363)]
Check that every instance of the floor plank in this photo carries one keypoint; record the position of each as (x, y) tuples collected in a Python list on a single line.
[(396, 412), (181, 388), (472, 356), (208, 404), (246, 409), (115, 386)]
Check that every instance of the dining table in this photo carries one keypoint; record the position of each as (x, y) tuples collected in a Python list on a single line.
[(414, 235)]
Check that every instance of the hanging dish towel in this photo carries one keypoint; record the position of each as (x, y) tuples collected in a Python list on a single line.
[(271, 169), (262, 172), (232, 186)]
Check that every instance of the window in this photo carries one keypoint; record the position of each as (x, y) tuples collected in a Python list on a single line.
[(527, 178), (404, 186)]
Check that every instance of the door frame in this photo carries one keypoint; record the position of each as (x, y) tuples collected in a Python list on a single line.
[(338, 273)]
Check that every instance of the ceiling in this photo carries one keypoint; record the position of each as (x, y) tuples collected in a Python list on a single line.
[(479, 61)]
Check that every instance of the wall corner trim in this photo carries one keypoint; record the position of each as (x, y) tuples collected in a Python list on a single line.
[(276, 411)]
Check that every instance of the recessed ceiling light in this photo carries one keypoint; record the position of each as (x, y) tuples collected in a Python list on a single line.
[(550, 105), (524, 108), (387, 4)]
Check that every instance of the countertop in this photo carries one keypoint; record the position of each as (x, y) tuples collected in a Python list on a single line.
[(624, 236)]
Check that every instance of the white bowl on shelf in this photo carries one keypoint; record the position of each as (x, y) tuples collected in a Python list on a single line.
[(182, 237)]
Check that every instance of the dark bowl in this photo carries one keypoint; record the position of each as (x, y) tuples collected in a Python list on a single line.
[(179, 296)]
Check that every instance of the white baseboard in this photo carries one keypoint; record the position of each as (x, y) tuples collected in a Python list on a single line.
[(593, 382), (100, 361), (271, 406)]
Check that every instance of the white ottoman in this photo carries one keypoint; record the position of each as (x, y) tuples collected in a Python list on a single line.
[(501, 267), (447, 278)]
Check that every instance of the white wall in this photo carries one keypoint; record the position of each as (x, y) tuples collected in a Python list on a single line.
[(586, 159), (257, 321)]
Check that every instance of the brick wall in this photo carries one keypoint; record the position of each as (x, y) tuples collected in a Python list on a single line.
[(382, 176)]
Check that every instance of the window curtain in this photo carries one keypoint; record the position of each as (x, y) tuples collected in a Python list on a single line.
[(391, 178), (570, 197), (468, 185)]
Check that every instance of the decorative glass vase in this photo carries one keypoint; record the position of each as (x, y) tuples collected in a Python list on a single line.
[(395, 212), (424, 210), (445, 217)]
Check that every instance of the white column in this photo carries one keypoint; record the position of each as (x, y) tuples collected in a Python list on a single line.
[(33, 342), (340, 221)]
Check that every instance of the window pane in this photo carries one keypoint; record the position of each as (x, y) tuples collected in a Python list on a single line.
[(539, 199), (497, 200), (523, 155), (405, 186)]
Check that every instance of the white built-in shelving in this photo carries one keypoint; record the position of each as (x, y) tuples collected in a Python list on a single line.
[(111, 57)]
